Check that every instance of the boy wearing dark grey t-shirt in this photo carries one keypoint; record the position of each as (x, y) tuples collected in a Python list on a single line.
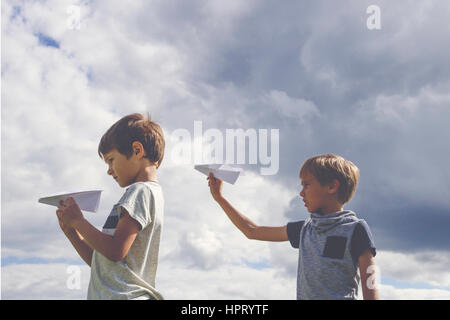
[(332, 243)]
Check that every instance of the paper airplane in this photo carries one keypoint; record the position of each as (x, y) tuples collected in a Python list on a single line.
[(86, 200), (221, 171)]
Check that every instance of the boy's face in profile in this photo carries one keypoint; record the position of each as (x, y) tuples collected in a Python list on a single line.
[(123, 170), (316, 197)]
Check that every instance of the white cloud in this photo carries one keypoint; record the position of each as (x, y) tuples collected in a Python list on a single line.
[(392, 293), (203, 246), (44, 281), (230, 282), (429, 267)]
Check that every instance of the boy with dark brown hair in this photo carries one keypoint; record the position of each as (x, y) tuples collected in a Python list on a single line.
[(124, 256)]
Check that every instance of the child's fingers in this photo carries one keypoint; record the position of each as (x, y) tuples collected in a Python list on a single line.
[(69, 201)]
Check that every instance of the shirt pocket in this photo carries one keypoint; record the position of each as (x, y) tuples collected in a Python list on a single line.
[(112, 220), (334, 247)]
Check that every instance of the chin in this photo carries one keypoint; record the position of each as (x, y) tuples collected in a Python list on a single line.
[(314, 210)]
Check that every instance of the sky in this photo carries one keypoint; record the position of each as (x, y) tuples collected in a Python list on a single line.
[(315, 72)]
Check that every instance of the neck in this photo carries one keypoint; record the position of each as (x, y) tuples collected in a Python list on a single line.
[(147, 173), (332, 208)]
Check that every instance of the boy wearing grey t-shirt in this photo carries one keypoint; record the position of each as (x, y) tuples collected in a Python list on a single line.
[(332, 243), (124, 257)]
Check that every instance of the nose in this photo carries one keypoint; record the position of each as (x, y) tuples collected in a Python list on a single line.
[(110, 172), (302, 193)]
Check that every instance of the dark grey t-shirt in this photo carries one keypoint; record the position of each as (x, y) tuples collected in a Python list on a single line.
[(329, 247), (361, 240)]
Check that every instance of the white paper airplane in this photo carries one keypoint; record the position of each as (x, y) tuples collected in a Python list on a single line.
[(221, 171), (86, 200)]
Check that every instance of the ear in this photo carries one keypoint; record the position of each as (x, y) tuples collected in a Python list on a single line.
[(333, 186), (138, 149)]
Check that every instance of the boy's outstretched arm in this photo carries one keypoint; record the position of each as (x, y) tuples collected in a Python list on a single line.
[(250, 229)]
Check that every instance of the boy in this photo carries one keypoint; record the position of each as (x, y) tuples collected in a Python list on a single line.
[(124, 257), (332, 243)]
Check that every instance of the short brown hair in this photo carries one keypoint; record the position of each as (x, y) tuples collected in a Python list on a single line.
[(325, 168), (134, 127)]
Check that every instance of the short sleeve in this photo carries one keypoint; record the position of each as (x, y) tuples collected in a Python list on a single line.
[(293, 232), (361, 241), (137, 201)]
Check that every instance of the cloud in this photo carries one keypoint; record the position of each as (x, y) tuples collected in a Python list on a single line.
[(422, 267), (44, 281), (297, 109), (56, 282), (392, 293), (204, 247)]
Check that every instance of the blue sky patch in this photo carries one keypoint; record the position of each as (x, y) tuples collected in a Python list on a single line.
[(36, 260), (263, 264), (47, 41)]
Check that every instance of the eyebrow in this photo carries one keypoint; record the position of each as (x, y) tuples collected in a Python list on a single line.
[(305, 181), (106, 158)]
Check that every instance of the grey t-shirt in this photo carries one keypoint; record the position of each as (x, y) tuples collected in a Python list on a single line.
[(329, 247), (134, 276)]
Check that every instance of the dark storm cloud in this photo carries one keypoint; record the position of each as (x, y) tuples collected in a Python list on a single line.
[(403, 225), (380, 96)]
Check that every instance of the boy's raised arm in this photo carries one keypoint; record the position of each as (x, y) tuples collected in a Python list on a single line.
[(250, 229)]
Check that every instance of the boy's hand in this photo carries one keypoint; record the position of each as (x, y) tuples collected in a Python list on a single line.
[(64, 228), (68, 213), (215, 186)]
